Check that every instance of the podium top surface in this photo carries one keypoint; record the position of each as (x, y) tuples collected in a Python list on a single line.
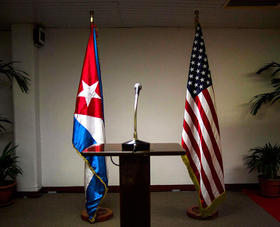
[(114, 149)]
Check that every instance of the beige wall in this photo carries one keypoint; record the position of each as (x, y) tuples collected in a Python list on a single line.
[(158, 58)]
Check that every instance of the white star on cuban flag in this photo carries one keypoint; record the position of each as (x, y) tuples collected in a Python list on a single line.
[(89, 92), (88, 112)]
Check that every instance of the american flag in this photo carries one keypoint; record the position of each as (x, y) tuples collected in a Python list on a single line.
[(201, 133)]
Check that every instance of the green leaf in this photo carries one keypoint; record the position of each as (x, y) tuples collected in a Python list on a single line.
[(21, 77), (267, 66), (5, 120), (270, 97)]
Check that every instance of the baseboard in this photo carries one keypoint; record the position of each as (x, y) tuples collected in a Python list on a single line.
[(67, 189), (164, 188), (116, 189)]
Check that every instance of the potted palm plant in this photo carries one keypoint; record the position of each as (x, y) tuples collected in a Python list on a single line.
[(9, 168), (266, 160)]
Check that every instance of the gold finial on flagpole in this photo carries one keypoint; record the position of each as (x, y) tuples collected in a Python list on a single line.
[(196, 18), (91, 12)]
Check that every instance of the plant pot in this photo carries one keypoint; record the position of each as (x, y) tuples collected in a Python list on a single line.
[(6, 193), (270, 187)]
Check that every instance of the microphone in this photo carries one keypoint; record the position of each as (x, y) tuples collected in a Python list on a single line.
[(135, 144), (137, 88)]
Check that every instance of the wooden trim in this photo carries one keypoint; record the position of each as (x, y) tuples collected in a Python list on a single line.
[(240, 187), (28, 194), (164, 188), (116, 189)]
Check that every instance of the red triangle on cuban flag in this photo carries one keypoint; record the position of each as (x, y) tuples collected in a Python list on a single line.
[(89, 97)]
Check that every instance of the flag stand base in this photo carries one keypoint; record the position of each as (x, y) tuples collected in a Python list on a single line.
[(194, 212), (103, 214)]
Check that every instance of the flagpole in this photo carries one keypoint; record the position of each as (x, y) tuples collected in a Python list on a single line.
[(91, 12), (196, 18)]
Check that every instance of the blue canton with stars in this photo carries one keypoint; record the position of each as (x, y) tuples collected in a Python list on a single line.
[(199, 73)]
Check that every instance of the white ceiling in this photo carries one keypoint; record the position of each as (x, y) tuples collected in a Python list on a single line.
[(135, 13)]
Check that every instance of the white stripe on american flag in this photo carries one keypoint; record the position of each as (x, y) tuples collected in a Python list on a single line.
[(209, 116), (195, 159), (212, 97), (204, 162), (212, 94), (187, 141)]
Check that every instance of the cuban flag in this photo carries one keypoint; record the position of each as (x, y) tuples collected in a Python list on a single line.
[(88, 129)]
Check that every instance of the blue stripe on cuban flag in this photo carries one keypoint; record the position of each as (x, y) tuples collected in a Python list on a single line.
[(81, 137)]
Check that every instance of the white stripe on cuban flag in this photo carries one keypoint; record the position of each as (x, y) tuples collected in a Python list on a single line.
[(94, 125), (88, 175)]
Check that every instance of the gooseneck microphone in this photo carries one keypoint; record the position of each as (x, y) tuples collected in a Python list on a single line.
[(137, 88), (135, 144)]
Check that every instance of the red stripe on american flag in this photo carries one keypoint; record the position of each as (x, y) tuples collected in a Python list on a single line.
[(195, 170), (202, 201), (212, 108), (209, 130), (204, 148), (215, 147), (213, 171), (192, 139), (196, 149), (207, 184), (205, 151)]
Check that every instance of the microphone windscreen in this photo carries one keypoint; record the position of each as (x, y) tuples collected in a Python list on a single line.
[(138, 86)]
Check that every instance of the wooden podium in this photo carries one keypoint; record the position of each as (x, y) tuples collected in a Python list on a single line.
[(135, 205)]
